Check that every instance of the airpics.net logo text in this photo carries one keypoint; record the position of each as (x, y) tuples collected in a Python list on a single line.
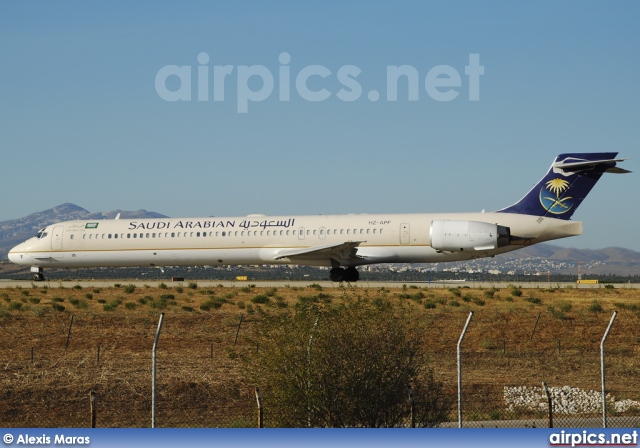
[(314, 83)]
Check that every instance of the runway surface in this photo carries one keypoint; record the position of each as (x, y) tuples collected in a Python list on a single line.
[(5, 283)]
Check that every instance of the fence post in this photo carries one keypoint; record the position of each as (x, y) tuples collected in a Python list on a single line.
[(259, 400), (534, 328), (464, 330), (546, 391), (238, 330), (92, 407), (66, 346), (411, 408), (153, 372), (604, 392)]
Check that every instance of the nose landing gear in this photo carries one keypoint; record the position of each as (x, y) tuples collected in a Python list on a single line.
[(38, 274)]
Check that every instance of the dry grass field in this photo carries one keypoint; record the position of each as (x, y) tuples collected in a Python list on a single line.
[(58, 344)]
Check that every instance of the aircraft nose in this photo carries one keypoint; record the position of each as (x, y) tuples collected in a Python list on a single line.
[(16, 255)]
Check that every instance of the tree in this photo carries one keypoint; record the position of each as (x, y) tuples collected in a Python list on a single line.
[(344, 365)]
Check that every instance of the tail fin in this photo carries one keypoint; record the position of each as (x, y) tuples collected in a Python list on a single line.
[(570, 178)]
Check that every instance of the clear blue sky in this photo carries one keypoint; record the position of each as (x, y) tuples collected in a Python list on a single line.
[(82, 120)]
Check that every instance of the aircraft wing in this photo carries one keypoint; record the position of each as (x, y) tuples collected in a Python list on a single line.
[(340, 251)]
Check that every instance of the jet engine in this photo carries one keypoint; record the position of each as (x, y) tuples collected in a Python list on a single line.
[(458, 236)]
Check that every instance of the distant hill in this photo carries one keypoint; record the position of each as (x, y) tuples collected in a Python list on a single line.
[(16, 231), (612, 260), (551, 252)]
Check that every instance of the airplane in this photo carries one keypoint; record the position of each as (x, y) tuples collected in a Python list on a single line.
[(341, 242)]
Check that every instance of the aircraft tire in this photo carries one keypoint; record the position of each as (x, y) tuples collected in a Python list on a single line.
[(351, 275), (337, 274)]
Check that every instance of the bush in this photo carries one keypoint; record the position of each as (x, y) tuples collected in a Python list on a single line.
[(129, 289), (345, 366), (595, 307), (261, 298), (80, 304)]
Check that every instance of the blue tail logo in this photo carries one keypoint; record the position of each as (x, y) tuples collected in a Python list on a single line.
[(570, 178), (551, 197)]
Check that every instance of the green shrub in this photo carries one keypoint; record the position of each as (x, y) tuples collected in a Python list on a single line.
[(15, 306), (595, 307), (129, 289), (80, 304), (260, 298)]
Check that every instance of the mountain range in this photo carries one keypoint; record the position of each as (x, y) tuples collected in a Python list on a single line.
[(612, 260)]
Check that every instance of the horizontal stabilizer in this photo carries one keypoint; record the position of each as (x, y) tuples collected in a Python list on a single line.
[(589, 164)]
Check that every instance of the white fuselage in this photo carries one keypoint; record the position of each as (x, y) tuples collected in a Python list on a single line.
[(259, 239)]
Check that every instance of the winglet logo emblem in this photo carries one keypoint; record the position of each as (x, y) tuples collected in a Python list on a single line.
[(551, 197)]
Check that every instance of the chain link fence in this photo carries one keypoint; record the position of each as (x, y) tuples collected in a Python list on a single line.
[(200, 382)]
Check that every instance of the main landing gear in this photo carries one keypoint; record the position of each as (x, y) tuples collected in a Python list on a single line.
[(349, 274)]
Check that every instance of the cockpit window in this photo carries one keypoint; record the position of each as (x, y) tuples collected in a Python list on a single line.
[(41, 234)]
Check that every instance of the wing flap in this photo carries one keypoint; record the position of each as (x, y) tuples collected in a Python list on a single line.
[(339, 251)]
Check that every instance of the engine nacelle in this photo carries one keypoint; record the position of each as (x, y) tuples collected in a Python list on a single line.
[(458, 236)]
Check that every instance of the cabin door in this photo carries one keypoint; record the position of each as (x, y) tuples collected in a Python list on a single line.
[(404, 233), (56, 238)]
